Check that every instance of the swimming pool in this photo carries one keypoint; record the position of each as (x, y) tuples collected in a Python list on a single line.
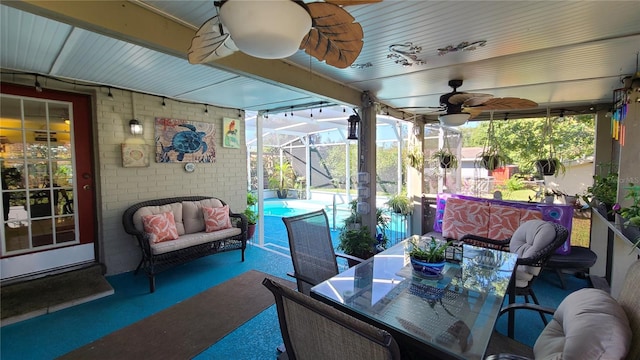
[(275, 234)]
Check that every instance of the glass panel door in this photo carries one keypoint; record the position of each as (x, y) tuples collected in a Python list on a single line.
[(37, 170)]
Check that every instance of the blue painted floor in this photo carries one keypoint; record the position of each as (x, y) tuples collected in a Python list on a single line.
[(52, 335)]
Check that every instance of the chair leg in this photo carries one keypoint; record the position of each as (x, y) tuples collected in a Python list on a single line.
[(562, 283), (535, 300)]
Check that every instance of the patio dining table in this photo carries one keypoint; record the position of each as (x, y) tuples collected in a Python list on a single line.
[(451, 316)]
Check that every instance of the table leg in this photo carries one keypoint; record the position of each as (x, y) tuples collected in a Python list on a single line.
[(512, 299)]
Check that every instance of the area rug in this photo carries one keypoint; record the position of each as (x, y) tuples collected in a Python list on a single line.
[(25, 300), (188, 328)]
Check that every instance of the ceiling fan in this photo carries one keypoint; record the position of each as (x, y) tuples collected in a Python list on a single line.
[(459, 106), (276, 29)]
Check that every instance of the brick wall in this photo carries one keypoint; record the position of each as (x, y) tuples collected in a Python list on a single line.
[(119, 187)]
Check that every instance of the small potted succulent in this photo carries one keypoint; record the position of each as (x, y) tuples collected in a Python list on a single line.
[(427, 257)]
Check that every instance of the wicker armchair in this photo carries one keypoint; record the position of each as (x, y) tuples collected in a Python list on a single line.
[(534, 242), (312, 253), (588, 324), (313, 330)]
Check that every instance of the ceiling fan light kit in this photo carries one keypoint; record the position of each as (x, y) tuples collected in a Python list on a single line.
[(454, 119), (266, 29)]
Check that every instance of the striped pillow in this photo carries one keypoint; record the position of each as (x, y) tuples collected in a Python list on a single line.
[(161, 226), (216, 218)]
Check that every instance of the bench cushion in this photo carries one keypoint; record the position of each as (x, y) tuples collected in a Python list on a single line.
[(463, 217), (175, 208), (188, 240), (192, 215)]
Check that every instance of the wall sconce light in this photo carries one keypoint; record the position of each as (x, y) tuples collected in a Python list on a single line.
[(353, 127), (37, 85), (136, 127)]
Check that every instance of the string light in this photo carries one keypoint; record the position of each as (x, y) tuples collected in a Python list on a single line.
[(292, 111), (164, 103), (110, 95), (206, 109)]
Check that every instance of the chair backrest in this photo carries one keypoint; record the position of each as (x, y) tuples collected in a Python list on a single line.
[(629, 299), (313, 330), (534, 242), (312, 253)]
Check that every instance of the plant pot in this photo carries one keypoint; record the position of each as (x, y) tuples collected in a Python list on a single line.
[(251, 230), (631, 232), (445, 161), (490, 162), (546, 167), (427, 269), (548, 199), (570, 200), (282, 194), (604, 209)]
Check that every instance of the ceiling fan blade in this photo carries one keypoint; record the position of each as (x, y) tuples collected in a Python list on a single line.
[(335, 37), (469, 99), (351, 2), (473, 112), (508, 103), (210, 43)]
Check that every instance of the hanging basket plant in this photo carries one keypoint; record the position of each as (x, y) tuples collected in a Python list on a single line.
[(548, 164), (415, 157), (491, 157), (445, 156)]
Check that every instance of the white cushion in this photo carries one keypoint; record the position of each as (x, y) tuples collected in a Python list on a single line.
[(588, 324), (187, 240), (192, 215), (528, 239)]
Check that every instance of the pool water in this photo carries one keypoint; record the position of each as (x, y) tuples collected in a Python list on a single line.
[(275, 234)]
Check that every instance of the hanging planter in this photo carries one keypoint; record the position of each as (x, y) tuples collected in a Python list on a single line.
[(491, 157), (445, 156), (548, 164)]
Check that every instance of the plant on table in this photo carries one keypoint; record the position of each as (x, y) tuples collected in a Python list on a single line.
[(604, 190), (431, 251)]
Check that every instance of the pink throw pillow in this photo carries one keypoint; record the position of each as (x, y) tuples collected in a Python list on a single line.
[(163, 226), (216, 218), (463, 217), (503, 221)]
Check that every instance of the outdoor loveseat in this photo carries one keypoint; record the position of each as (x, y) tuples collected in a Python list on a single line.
[(202, 226)]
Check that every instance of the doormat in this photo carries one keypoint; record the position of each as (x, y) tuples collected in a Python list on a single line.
[(25, 300)]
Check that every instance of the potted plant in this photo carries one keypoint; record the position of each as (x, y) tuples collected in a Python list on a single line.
[(548, 164), (283, 179), (415, 157), (549, 196), (427, 258), (491, 157), (446, 158), (602, 194), (357, 242), (400, 204), (251, 214), (630, 216)]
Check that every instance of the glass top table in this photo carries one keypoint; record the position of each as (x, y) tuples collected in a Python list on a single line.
[(451, 316)]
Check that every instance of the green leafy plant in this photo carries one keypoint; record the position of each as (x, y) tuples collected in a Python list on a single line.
[(491, 157), (604, 189), (283, 178), (446, 158), (631, 214), (415, 157), (357, 242), (400, 203), (432, 251), (249, 212), (548, 164)]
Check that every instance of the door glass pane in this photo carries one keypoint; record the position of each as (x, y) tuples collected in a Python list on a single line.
[(37, 174)]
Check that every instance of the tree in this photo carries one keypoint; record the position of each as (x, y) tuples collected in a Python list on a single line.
[(522, 139)]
